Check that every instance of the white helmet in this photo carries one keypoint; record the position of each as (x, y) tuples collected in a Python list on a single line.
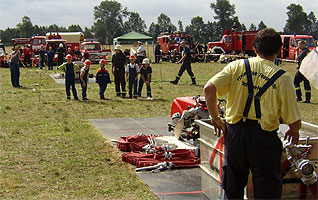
[(175, 118), (118, 47), (146, 61), (61, 45)]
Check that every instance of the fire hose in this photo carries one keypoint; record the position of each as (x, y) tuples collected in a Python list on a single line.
[(297, 155)]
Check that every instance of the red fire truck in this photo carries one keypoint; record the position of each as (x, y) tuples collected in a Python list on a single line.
[(96, 53), (234, 42), (36, 42), (170, 43), (290, 44), (73, 39)]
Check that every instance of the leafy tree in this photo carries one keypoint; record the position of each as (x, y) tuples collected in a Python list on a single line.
[(261, 25), (39, 30), (8, 34), (297, 20), (180, 25), (197, 29), (25, 27), (165, 24), (312, 26), (88, 33), (211, 33), (154, 30), (74, 28), (56, 28), (224, 11), (108, 20), (135, 23), (252, 27)]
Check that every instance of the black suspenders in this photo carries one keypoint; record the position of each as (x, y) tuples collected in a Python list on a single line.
[(258, 95)]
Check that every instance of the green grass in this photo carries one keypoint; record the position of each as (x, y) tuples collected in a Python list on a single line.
[(49, 149)]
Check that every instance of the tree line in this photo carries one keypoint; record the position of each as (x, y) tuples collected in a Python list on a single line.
[(111, 20)]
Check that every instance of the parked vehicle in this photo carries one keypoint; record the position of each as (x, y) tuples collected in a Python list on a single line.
[(290, 44), (96, 53), (240, 42), (170, 44), (73, 39), (36, 42)]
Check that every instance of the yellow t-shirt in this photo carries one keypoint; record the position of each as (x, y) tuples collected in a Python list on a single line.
[(278, 101)]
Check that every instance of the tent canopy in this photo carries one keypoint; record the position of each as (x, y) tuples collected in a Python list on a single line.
[(131, 37)]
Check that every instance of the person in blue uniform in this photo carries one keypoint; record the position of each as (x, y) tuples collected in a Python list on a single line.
[(145, 77), (186, 64), (102, 78), (132, 72), (84, 78), (50, 58), (42, 56), (69, 69), (299, 77)]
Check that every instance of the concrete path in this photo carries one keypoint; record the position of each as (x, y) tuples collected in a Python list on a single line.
[(180, 184)]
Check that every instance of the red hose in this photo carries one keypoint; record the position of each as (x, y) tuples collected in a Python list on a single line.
[(313, 190)]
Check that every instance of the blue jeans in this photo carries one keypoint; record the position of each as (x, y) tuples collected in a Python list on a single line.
[(102, 88), (41, 63), (141, 84), (84, 90), (68, 84), (133, 86), (15, 74)]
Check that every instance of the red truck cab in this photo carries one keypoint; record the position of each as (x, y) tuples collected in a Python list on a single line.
[(241, 41), (96, 53), (290, 44), (36, 42)]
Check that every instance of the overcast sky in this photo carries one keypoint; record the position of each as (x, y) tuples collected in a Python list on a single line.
[(66, 12)]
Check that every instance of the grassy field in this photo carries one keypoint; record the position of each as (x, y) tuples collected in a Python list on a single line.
[(49, 149)]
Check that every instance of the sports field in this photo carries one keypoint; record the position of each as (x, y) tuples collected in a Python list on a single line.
[(49, 149)]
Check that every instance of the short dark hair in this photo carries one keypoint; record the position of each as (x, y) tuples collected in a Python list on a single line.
[(267, 42)]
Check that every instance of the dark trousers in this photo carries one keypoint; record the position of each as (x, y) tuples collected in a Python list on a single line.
[(299, 77), (60, 60), (84, 90), (157, 57), (120, 81), (27, 60), (133, 86), (15, 74), (41, 63), (186, 66), (141, 84), (50, 64), (68, 84), (102, 88), (139, 59), (248, 147)]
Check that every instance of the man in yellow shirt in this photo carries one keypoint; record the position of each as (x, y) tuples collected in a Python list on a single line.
[(259, 95)]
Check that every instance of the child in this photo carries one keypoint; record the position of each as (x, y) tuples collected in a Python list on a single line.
[(42, 56), (132, 71), (69, 68), (35, 61), (102, 78), (145, 72), (84, 78), (50, 58)]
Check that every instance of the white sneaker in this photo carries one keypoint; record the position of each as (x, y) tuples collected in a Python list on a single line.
[(149, 98)]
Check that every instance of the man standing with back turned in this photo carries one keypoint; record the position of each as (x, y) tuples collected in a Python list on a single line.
[(259, 95)]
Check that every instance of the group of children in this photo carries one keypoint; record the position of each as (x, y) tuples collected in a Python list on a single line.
[(103, 78)]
